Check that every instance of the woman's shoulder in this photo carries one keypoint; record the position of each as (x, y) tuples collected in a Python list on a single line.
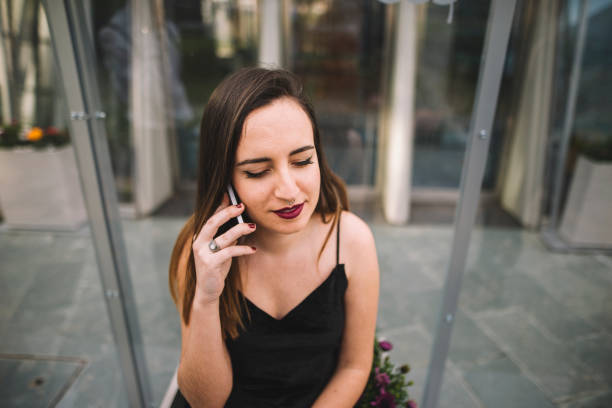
[(357, 245), (354, 231)]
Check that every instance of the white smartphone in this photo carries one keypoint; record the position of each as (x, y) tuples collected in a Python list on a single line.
[(242, 218), (234, 200)]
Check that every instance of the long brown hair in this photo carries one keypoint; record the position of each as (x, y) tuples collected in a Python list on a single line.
[(222, 121)]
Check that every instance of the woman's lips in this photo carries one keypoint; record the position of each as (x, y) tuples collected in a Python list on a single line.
[(290, 212)]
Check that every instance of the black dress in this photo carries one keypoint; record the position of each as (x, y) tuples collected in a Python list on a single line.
[(288, 362)]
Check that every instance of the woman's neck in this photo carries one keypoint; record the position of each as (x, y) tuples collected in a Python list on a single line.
[(280, 245)]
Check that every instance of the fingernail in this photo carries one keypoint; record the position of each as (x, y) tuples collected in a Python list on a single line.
[(239, 205), (251, 225), (254, 249)]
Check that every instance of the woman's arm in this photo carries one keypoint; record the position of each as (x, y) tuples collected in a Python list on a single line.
[(361, 304), (205, 372)]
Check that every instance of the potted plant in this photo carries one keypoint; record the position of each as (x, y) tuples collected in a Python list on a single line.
[(587, 217), (387, 386), (39, 184)]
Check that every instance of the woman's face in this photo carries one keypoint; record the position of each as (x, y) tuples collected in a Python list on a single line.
[(277, 170)]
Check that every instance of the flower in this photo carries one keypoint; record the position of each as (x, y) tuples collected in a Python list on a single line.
[(411, 404), (387, 386), (34, 134), (384, 400), (382, 379), (52, 131), (13, 135)]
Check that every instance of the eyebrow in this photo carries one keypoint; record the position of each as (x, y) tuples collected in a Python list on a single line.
[(267, 159)]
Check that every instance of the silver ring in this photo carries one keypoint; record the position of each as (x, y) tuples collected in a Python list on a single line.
[(213, 246), (290, 202)]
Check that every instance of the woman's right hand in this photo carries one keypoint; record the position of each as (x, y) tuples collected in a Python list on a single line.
[(213, 267)]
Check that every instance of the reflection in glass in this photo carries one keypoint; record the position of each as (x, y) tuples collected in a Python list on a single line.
[(214, 38), (56, 344), (447, 73), (527, 314), (337, 49)]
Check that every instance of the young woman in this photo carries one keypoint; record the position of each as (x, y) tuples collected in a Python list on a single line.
[(279, 311)]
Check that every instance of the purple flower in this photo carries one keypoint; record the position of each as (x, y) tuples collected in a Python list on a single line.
[(382, 379), (411, 404), (385, 345), (384, 400)]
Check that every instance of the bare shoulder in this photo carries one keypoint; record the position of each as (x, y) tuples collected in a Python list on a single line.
[(357, 246), (355, 232)]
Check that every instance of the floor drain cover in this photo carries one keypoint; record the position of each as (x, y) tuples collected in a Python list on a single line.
[(36, 381)]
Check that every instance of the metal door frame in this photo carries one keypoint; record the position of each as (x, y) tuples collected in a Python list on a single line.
[(73, 54), (499, 25), (73, 49)]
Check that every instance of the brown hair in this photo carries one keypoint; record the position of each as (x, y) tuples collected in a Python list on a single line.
[(222, 121)]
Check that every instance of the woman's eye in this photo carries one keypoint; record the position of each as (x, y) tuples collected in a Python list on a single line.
[(254, 175), (304, 162)]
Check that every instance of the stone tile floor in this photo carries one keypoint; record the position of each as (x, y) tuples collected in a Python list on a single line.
[(534, 328)]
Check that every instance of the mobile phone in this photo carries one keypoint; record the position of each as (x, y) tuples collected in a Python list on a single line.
[(242, 218)]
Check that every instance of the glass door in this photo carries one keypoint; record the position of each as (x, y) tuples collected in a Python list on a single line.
[(419, 282), (56, 342)]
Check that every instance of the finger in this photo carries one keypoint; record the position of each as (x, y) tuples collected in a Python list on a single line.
[(237, 250), (224, 203), (212, 225), (232, 235)]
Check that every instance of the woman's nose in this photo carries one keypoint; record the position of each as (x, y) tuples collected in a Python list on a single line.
[(286, 187)]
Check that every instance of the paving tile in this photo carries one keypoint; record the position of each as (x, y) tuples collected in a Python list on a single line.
[(507, 269), (577, 281), (481, 292), (553, 366), (600, 400), (412, 345), (24, 338), (99, 385), (53, 287), (455, 393), (500, 384), (161, 368), (497, 249), (596, 352), (409, 249), (469, 345), (34, 382), (397, 309)]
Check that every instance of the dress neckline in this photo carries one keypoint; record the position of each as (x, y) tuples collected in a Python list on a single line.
[(338, 267)]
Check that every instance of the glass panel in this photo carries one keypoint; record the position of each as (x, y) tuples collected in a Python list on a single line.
[(414, 258), (586, 194), (56, 344), (111, 25), (152, 134), (204, 41), (533, 326), (209, 40), (336, 46), (447, 74), (337, 49)]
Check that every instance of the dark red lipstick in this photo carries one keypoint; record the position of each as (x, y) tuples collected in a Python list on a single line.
[(290, 212)]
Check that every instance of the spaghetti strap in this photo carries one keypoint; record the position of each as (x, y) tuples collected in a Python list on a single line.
[(338, 240)]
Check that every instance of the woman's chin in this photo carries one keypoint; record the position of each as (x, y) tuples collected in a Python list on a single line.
[(280, 225)]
